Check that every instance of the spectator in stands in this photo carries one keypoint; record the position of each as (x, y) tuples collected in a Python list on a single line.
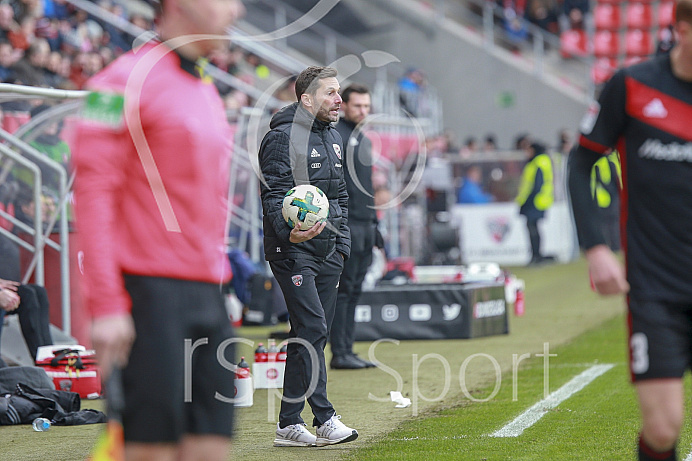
[(515, 27), (7, 60), (49, 29), (518, 6), (23, 37), (451, 144), (222, 59), (287, 92), (141, 22), (49, 143), (236, 100), (522, 141), (9, 301), (7, 22), (573, 13), (262, 76), (31, 69), (471, 190), (118, 41), (64, 71), (470, 147), (30, 303), (411, 90), (543, 14), (107, 56), (55, 9), (490, 143), (84, 66), (27, 8), (25, 209), (435, 146)]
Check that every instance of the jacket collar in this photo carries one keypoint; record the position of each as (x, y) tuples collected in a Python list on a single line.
[(296, 113)]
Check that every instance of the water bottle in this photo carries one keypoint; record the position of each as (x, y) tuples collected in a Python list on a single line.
[(519, 303), (243, 370), (281, 357), (261, 353), (273, 351), (243, 385), (41, 424)]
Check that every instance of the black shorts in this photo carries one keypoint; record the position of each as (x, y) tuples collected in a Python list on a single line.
[(173, 374), (660, 342)]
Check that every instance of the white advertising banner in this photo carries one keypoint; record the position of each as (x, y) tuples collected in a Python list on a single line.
[(496, 232)]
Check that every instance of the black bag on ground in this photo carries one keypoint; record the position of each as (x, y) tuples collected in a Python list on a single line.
[(61, 407), (34, 377)]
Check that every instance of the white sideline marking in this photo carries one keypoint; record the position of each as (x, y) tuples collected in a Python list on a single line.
[(536, 412), (689, 457)]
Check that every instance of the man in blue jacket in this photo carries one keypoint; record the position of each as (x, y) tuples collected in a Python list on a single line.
[(471, 191)]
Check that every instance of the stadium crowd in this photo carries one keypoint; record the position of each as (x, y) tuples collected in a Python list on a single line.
[(50, 43)]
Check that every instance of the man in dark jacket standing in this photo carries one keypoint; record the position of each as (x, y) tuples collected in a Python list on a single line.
[(304, 148), (362, 222)]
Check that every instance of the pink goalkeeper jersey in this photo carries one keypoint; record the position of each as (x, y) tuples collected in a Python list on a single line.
[(152, 176)]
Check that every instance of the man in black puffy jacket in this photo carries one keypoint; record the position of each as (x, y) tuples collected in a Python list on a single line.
[(362, 221), (304, 148)]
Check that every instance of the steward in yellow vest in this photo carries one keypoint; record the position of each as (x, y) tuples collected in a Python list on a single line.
[(536, 194)]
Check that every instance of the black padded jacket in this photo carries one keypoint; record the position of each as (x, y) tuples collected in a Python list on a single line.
[(302, 150)]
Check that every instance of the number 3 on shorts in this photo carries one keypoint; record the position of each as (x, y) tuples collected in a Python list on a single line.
[(639, 347)]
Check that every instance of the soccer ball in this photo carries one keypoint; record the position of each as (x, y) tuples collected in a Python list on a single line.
[(305, 204)]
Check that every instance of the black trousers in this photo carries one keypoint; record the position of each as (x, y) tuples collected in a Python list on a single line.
[(534, 237), (167, 313), (34, 317), (310, 290), (343, 332)]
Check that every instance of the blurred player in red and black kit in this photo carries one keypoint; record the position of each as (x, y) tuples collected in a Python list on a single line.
[(152, 160), (644, 111)]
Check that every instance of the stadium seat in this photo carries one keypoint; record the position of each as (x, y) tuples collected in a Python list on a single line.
[(603, 69), (665, 13), (573, 43), (393, 146), (638, 43), (606, 16), (606, 44), (638, 16)]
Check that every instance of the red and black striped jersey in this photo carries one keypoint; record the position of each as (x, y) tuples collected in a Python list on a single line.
[(645, 112)]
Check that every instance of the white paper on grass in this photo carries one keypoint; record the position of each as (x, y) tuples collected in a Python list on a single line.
[(401, 401)]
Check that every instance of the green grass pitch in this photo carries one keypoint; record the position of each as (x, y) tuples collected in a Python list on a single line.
[(453, 418)]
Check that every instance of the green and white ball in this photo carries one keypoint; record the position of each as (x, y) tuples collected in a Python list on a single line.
[(305, 204)]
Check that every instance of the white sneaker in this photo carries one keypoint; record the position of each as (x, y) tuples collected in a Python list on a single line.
[(334, 431), (295, 435)]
